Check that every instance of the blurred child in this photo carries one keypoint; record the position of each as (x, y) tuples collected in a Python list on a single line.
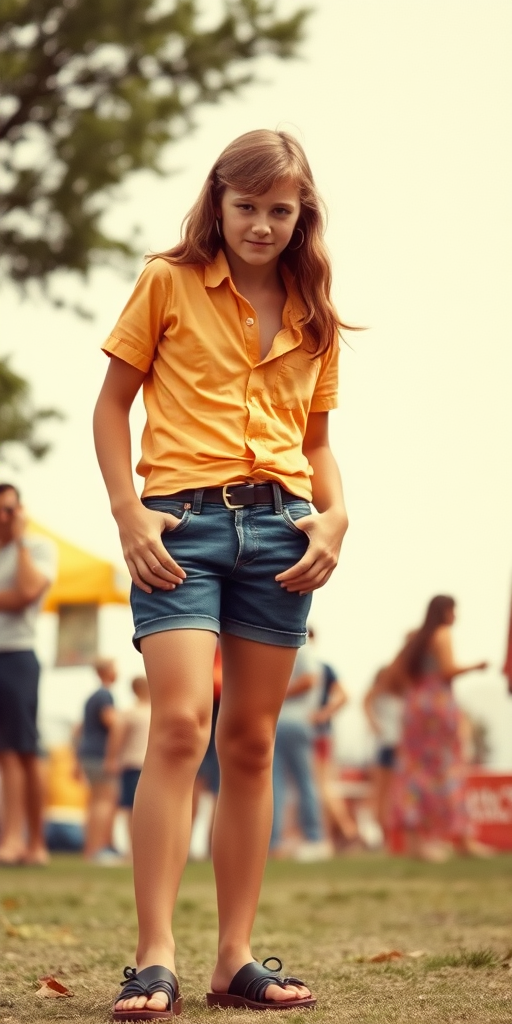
[(127, 749)]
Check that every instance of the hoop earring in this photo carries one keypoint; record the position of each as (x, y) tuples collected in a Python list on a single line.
[(217, 225), (293, 248)]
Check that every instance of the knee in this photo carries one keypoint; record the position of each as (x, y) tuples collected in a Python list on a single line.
[(180, 736), (246, 748)]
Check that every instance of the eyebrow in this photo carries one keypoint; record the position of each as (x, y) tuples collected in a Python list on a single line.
[(278, 202)]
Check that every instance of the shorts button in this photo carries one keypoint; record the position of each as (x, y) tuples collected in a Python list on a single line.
[(249, 321)]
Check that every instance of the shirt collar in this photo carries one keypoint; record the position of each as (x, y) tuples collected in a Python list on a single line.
[(218, 271)]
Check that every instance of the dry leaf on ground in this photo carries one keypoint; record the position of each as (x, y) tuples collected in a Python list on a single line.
[(390, 954), (51, 988)]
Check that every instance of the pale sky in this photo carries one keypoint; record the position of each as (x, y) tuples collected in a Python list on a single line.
[(404, 111)]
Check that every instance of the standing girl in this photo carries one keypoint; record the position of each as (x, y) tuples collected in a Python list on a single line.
[(234, 340)]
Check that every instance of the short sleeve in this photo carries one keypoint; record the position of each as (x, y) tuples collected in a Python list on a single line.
[(144, 318), (44, 556), (104, 699), (325, 396)]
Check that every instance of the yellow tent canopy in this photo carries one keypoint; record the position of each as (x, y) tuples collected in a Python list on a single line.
[(82, 578)]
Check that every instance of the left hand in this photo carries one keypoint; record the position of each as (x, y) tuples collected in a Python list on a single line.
[(326, 531)]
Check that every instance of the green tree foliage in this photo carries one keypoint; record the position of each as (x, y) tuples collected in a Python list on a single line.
[(19, 421), (93, 90)]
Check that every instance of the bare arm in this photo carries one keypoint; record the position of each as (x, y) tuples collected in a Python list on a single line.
[(140, 529), (441, 646), (30, 583), (370, 711), (337, 699), (327, 527)]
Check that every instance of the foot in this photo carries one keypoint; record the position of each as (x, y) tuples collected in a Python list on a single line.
[(11, 854), (225, 972), (159, 1000)]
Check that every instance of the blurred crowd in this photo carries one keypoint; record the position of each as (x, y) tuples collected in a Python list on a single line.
[(80, 796)]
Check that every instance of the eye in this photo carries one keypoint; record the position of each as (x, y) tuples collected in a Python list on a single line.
[(244, 206), (282, 210)]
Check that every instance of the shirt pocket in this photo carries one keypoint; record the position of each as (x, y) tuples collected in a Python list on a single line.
[(294, 385)]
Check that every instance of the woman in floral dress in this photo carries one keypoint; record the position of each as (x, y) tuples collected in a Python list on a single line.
[(428, 804)]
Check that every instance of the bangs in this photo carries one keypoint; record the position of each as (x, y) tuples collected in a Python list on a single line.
[(256, 181), (256, 162)]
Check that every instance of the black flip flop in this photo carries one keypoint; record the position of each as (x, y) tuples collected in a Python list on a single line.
[(146, 983), (249, 985)]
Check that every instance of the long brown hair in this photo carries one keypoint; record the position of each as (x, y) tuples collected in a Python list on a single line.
[(252, 164), (416, 648)]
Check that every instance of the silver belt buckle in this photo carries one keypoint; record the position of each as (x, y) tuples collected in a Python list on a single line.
[(226, 496)]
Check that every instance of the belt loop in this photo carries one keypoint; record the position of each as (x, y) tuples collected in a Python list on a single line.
[(278, 498), (198, 501)]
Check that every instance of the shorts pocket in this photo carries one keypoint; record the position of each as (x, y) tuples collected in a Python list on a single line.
[(296, 510), (173, 508)]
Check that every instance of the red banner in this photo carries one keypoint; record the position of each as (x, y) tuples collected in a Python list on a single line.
[(489, 801)]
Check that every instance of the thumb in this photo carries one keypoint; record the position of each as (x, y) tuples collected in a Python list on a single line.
[(169, 521)]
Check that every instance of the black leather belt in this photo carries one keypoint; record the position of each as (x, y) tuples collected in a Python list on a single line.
[(235, 495)]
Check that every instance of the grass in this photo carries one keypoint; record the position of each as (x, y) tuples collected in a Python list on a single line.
[(326, 921)]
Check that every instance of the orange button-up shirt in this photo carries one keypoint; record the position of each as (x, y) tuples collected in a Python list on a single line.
[(217, 412)]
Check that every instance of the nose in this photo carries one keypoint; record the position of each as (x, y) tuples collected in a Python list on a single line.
[(261, 228)]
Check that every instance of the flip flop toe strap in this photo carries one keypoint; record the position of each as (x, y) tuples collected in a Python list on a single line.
[(149, 981), (252, 981)]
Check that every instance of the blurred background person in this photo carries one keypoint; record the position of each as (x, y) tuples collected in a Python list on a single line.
[(126, 748), (338, 821), (428, 800), (383, 705), (91, 736), (27, 567), (293, 762)]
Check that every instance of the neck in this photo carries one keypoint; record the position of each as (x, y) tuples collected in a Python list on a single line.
[(247, 277)]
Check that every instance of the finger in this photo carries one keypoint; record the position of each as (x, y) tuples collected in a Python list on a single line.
[(308, 582), (159, 561), (137, 579), (157, 573), (298, 569)]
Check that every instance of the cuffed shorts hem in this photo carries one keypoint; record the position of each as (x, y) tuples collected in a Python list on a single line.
[(262, 634), (166, 622), (244, 630)]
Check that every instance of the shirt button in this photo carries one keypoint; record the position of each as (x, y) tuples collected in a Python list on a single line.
[(250, 321)]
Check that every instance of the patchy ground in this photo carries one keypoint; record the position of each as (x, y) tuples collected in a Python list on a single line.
[(380, 940)]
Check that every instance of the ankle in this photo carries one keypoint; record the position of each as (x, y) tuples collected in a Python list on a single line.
[(234, 955), (157, 953)]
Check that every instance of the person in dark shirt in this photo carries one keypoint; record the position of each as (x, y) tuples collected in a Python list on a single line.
[(100, 718)]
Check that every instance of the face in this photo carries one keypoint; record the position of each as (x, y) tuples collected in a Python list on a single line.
[(9, 506), (257, 229)]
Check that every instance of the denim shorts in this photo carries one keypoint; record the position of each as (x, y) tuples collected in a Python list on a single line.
[(231, 558)]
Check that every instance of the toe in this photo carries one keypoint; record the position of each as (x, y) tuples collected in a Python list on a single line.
[(158, 1001), (281, 995)]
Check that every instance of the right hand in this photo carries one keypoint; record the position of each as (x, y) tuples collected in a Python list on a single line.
[(149, 564)]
